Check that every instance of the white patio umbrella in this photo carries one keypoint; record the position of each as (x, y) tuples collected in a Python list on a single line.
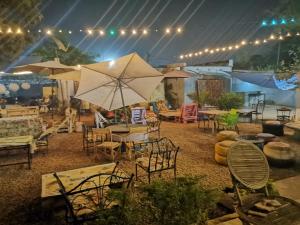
[(49, 67), (119, 83)]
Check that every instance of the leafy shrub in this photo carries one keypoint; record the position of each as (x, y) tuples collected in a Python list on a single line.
[(230, 100), (180, 202), (229, 120), (202, 98)]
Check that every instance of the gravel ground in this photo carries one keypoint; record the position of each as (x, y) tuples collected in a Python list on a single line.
[(21, 188)]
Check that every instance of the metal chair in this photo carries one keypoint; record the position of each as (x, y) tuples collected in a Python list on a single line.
[(153, 126), (250, 171), (259, 110), (284, 114), (162, 155), (87, 138), (86, 199)]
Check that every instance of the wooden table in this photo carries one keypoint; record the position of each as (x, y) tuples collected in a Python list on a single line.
[(71, 178), (246, 113), (20, 143), (171, 114), (296, 127)]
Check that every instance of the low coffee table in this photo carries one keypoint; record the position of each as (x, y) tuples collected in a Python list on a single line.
[(259, 142)]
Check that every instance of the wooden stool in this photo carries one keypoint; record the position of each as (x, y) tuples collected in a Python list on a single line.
[(227, 135), (279, 154), (221, 149)]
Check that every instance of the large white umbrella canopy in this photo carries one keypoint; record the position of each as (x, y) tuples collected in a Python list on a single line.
[(72, 75), (48, 67), (119, 83)]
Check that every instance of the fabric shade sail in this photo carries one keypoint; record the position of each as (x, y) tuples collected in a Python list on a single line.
[(72, 75), (115, 84)]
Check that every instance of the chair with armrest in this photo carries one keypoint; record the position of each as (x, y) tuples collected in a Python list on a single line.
[(259, 110), (85, 200), (249, 170), (158, 156)]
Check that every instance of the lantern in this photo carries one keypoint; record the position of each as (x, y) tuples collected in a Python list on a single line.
[(13, 87), (25, 86)]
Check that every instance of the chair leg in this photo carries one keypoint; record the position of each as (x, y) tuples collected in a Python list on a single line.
[(136, 172)]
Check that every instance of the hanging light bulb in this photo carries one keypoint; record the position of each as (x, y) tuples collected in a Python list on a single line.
[(190, 55), (288, 34), (49, 32), (145, 31), (265, 41), (237, 47), (196, 54), (186, 56), (134, 31), (200, 53), (229, 47), (243, 42), (297, 34), (9, 30), (217, 49), (280, 37), (224, 49), (28, 31), (70, 32), (179, 30), (181, 56), (122, 32), (272, 37), (19, 31), (101, 32), (60, 31), (168, 30), (206, 50), (40, 31), (90, 32), (257, 42), (211, 51)]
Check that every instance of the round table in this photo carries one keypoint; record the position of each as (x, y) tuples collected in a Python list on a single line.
[(259, 142)]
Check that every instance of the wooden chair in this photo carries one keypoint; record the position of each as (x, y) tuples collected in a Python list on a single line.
[(138, 115), (85, 200), (42, 141), (189, 113), (157, 156), (103, 140), (250, 171), (87, 138), (100, 120)]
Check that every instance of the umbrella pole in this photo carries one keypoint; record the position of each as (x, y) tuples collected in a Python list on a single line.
[(123, 103), (52, 97)]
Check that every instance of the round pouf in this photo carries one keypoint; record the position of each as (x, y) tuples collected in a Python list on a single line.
[(227, 135), (273, 127), (279, 154), (221, 149), (266, 137), (252, 139)]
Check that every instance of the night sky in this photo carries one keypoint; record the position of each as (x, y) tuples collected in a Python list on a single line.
[(205, 23)]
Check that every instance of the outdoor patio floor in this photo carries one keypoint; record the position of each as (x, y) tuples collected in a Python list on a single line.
[(21, 188)]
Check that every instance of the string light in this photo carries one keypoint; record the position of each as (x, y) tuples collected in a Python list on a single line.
[(145, 31), (49, 32), (122, 32), (101, 32), (242, 43), (9, 30), (60, 31), (19, 31), (40, 31), (134, 32), (179, 30), (90, 32), (70, 32), (168, 30)]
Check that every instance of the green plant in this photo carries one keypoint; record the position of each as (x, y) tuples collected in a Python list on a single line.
[(229, 101), (229, 120), (181, 202), (202, 98)]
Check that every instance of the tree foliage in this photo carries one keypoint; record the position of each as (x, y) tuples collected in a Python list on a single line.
[(14, 14), (73, 56)]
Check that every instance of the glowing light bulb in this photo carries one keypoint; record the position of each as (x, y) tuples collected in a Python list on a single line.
[(122, 32), (48, 32), (272, 37), (288, 34), (211, 51), (243, 43), (168, 30), (190, 55), (223, 49), (40, 31), (186, 56), (257, 42), (280, 37), (1, 31), (237, 47), (181, 56), (9, 30), (179, 30), (28, 31), (265, 41), (90, 32), (70, 32), (19, 31), (229, 47), (297, 34), (145, 31), (80, 30), (134, 32), (217, 49), (196, 54), (111, 63), (206, 50), (200, 53), (101, 32)]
